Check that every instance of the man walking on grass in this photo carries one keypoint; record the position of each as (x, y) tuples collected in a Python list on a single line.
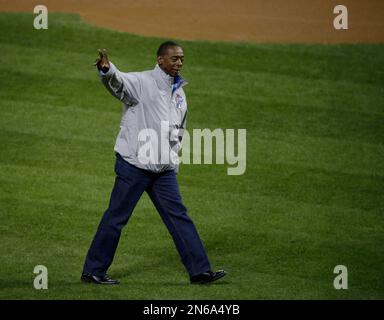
[(154, 107)]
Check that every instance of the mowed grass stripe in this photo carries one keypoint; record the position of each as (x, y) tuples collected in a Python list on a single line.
[(294, 181)]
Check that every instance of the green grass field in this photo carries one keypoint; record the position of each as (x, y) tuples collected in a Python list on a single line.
[(311, 197)]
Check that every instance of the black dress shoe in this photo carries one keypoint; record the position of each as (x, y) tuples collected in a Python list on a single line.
[(207, 277), (90, 278)]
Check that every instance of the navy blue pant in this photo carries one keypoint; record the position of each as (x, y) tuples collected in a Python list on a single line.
[(163, 190)]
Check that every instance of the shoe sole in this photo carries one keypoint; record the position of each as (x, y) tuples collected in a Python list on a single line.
[(86, 280), (213, 280)]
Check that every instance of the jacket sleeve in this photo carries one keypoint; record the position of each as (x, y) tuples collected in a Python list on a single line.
[(124, 86)]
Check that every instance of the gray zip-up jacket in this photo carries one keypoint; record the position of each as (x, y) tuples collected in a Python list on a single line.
[(153, 118)]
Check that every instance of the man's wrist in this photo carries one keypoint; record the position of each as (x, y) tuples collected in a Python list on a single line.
[(104, 69)]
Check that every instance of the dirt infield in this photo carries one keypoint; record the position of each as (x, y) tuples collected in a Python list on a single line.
[(229, 20)]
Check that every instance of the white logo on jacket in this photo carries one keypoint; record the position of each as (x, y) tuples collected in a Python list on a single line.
[(179, 101)]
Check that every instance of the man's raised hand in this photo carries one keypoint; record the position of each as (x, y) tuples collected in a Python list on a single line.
[(102, 62)]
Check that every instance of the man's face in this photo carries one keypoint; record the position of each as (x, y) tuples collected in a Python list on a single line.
[(172, 61)]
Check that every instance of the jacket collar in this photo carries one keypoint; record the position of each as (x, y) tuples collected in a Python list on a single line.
[(165, 81)]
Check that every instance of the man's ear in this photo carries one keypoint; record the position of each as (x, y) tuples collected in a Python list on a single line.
[(160, 60)]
